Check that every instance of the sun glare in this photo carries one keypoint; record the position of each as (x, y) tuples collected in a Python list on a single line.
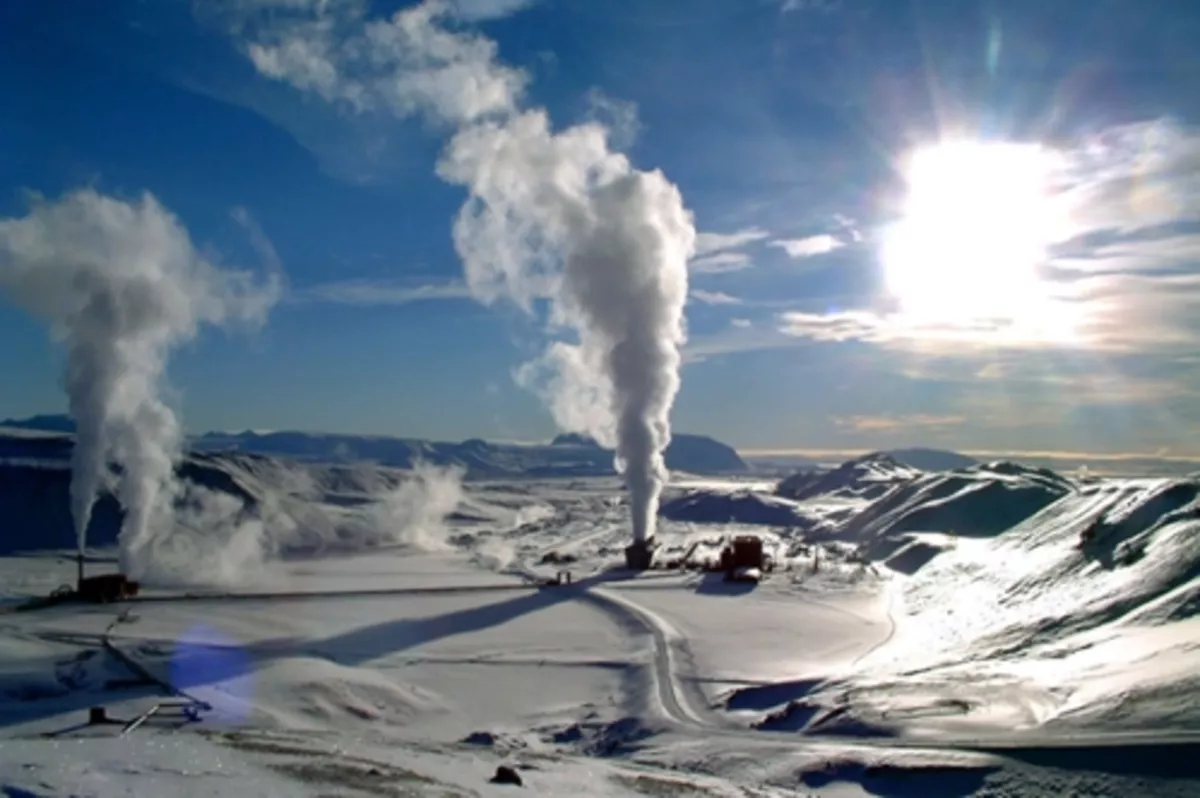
[(977, 222)]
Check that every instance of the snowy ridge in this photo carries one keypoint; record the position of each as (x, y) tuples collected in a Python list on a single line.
[(865, 477), (980, 501), (1082, 611), (739, 506)]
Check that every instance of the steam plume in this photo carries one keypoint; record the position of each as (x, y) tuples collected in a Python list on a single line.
[(121, 286), (550, 215), (622, 238)]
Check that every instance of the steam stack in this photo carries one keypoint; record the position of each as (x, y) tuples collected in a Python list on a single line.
[(639, 554)]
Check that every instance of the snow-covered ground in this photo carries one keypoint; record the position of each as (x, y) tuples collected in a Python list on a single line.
[(922, 634)]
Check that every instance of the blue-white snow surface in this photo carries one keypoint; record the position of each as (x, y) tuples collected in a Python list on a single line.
[(921, 634)]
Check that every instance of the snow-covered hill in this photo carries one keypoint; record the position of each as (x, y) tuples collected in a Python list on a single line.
[(566, 455), (709, 506), (1022, 599), (1095, 599), (866, 477), (979, 501)]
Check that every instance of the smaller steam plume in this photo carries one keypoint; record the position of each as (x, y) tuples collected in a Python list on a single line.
[(414, 513), (121, 285)]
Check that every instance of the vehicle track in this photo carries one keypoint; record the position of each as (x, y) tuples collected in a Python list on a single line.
[(688, 710)]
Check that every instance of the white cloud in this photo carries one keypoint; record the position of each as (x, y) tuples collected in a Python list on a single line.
[(807, 247), (714, 298), (720, 262), (479, 10), (741, 323), (406, 64), (379, 292), (707, 243)]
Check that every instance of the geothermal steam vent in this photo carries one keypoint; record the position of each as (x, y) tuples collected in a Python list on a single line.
[(638, 554)]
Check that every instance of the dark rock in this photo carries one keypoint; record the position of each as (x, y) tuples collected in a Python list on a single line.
[(507, 775), (480, 738)]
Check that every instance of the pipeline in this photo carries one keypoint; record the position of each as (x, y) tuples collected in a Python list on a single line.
[(304, 595), (139, 670), (65, 595)]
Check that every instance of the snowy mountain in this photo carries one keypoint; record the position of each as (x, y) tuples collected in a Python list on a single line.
[(572, 455), (41, 423), (931, 459), (567, 455), (981, 501), (868, 476), (740, 507)]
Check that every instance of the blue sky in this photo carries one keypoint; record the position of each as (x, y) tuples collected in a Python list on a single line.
[(786, 124)]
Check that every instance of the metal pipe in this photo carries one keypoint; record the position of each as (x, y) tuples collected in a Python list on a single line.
[(302, 595)]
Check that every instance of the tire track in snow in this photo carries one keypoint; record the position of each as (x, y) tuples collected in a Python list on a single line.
[(683, 709), (675, 704), (696, 716), (891, 618)]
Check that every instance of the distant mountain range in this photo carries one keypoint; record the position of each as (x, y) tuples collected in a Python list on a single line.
[(566, 455), (931, 459), (916, 457)]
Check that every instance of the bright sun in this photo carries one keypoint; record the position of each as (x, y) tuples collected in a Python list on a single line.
[(977, 223)]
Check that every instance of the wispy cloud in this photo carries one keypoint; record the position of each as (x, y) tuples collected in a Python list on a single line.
[(258, 239), (897, 423), (788, 6), (720, 262), (714, 297), (896, 330), (1133, 177), (489, 9), (740, 336), (619, 117), (708, 243), (407, 64), (807, 247), (379, 292)]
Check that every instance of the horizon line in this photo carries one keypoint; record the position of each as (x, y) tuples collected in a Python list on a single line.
[(765, 453), (746, 451)]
